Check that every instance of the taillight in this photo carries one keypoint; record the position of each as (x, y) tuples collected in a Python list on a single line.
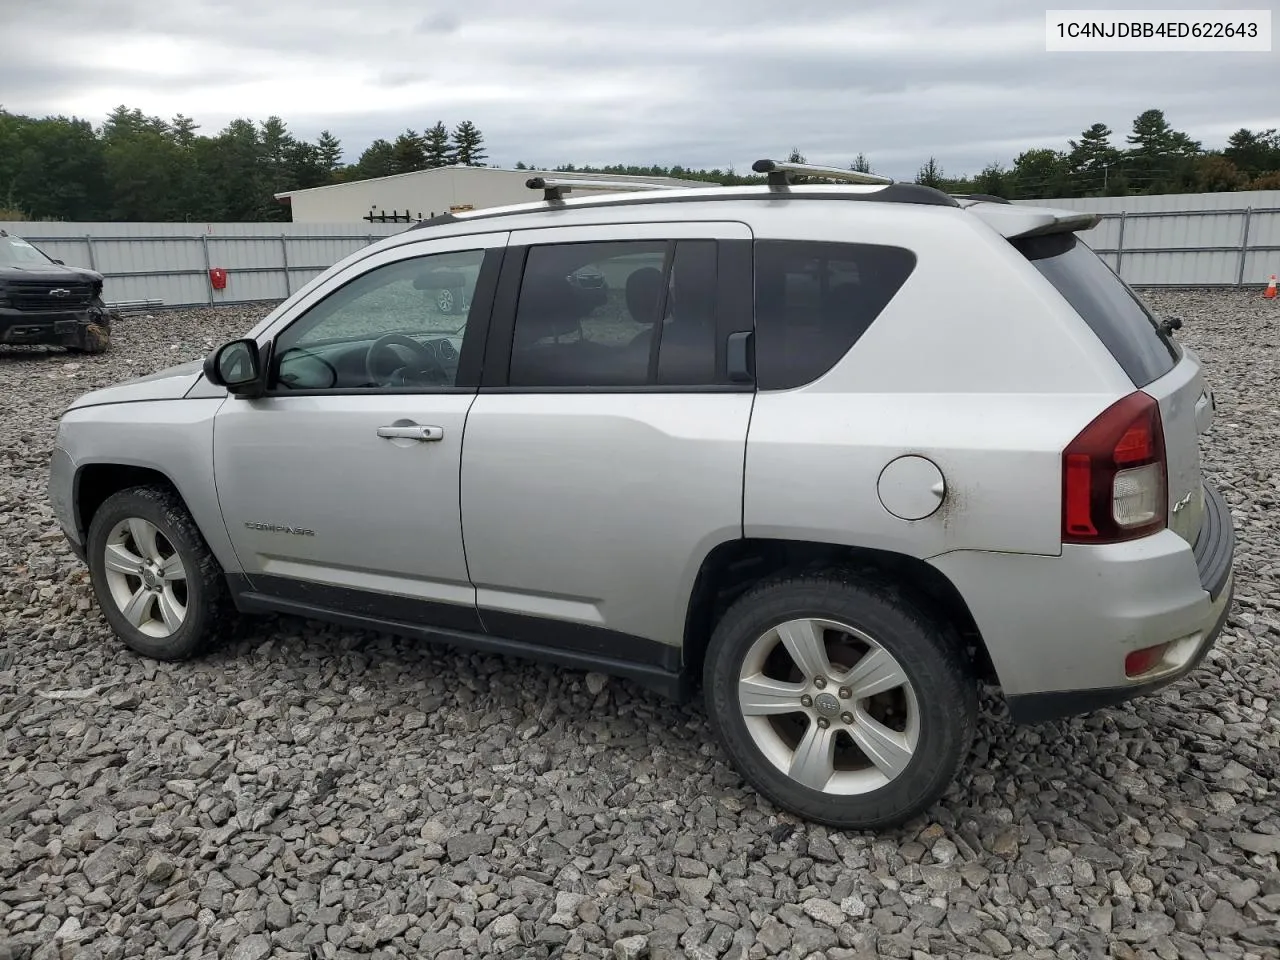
[(1114, 483)]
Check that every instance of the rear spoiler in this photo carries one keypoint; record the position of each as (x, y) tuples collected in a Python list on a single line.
[(1013, 221)]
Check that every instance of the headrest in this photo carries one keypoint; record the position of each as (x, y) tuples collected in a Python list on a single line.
[(644, 295), (549, 306)]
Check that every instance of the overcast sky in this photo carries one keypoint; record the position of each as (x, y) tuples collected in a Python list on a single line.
[(698, 82)]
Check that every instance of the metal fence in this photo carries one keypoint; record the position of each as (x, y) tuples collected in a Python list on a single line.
[(170, 264), (1189, 240), (1132, 242), (1196, 239)]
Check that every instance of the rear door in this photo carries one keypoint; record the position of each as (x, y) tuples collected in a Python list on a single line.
[(604, 454), (1170, 373)]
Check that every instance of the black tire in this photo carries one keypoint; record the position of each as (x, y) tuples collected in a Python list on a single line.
[(208, 607), (928, 652)]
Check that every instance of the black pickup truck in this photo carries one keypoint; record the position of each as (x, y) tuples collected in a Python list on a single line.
[(43, 301)]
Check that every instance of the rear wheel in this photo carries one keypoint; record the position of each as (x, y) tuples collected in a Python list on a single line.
[(159, 586), (840, 699)]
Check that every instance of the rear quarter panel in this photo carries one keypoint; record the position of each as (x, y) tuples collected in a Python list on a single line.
[(976, 364)]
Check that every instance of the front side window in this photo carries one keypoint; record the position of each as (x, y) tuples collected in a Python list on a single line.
[(616, 314), (401, 325), (815, 300)]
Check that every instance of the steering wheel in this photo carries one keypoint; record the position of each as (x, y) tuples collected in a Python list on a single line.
[(422, 360)]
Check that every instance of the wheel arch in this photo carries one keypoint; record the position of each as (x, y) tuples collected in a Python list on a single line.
[(732, 567), (95, 482)]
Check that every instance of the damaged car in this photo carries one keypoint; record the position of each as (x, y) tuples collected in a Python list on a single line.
[(44, 301)]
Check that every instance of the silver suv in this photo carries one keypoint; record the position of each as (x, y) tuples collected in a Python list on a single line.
[(834, 453)]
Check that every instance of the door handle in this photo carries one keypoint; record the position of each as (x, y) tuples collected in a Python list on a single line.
[(415, 432)]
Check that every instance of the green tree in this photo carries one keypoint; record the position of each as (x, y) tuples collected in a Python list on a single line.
[(125, 122), (378, 160), (1092, 161), (277, 149), (1040, 174), (439, 149), (1253, 152), (307, 166), (468, 145), (52, 168), (1159, 158), (408, 153), (995, 181), (145, 171), (1216, 174), (930, 175), (329, 150), (240, 182), (860, 164), (183, 130)]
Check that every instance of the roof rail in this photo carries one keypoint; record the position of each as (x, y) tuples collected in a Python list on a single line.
[(780, 173), (554, 188)]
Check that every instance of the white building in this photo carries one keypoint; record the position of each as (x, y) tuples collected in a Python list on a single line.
[(427, 193)]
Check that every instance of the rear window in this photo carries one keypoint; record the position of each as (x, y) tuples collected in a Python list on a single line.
[(1105, 302)]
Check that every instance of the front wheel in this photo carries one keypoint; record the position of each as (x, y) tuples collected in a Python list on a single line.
[(159, 586), (840, 699)]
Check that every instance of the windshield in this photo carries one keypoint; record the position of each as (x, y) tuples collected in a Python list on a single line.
[(1106, 303), (16, 252)]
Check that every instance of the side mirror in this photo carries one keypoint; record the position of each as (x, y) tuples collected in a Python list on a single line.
[(61, 263), (238, 367)]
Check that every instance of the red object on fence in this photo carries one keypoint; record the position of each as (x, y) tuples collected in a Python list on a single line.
[(218, 278)]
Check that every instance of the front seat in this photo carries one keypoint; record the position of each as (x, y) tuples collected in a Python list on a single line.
[(549, 309)]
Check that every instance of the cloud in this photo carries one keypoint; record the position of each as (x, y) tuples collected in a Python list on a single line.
[(437, 23), (713, 83)]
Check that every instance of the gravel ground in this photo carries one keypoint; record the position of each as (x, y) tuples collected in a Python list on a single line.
[(311, 792)]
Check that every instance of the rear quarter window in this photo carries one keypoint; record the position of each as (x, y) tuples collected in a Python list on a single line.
[(814, 300), (1115, 314)]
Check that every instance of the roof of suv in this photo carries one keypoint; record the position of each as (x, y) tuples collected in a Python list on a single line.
[(1007, 219), (893, 193)]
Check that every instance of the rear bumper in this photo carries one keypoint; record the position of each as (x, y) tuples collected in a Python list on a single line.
[(1039, 707), (1058, 628), (53, 328)]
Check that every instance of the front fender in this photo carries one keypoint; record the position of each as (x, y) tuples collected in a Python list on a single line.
[(173, 438)]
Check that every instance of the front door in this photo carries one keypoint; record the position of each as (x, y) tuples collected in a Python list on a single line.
[(339, 488)]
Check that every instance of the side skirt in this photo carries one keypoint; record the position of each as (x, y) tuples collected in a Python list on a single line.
[(658, 672)]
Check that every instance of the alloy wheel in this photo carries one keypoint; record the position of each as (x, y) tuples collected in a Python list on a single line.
[(829, 706), (146, 577)]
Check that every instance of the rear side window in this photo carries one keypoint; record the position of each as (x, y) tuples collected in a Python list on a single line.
[(1112, 310), (813, 302), (617, 314)]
